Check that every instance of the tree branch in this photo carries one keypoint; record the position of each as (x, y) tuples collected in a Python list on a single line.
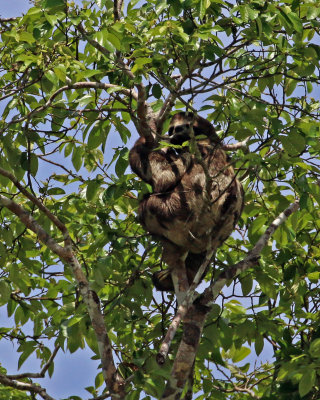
[(31, 224), (182, 311), (117, 6), (169, 103), (195, 316), (211, 293), (33, 388), (113, 380)]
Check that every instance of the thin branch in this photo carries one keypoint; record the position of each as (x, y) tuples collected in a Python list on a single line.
[(63, 167), (30, 387), (236, 146), (35, 201), (8, 19), (77, 85), (169, 103), (104, 51), (211, 293), (40, 374), (31, 224)]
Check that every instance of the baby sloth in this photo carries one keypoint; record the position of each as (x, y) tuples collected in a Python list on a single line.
[(194, 205)]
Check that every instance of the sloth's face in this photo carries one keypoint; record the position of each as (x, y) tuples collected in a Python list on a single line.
[(179, 133), (180, 126)]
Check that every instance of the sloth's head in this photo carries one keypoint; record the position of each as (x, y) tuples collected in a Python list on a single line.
[(180, 126)]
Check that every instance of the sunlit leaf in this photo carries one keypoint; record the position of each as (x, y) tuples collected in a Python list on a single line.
[(240, 354)]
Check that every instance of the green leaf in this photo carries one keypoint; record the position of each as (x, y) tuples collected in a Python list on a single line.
[(204, 4), (295, 21), (29, 348), (5, 292), (306, 202), (60, 72), (92, 189), (52, 19), (290, 86), (312, 12), (99, 380), (53, 3), (257, 227), (315, 348), (21, 314), (268, 286), (240, 354), (122, 162), (259, 27), (259, 344), (113, 39), (26, 37), (55, 191), (122, 129), (307, 382), (293, 143), (95, 137), (246, 284), (29, 162), (85, 100), (156, 91), (51, 76), (140, 63), (77, 157), (283, 236), (34, 163)]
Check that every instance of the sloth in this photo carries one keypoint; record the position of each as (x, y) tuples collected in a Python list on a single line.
[(195, 204)]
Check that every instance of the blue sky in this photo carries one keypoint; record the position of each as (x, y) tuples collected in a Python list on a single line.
[(13, 8)]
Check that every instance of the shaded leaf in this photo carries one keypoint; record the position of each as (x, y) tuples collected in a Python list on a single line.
[(307, 382)]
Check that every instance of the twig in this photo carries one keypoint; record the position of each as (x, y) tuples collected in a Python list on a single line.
[(236, 146), (42, 373), (34, 200)]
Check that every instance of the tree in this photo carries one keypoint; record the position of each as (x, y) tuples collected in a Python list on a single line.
[(75, 264)]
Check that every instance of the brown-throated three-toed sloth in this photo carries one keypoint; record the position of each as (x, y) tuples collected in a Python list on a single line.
[(192, 211)]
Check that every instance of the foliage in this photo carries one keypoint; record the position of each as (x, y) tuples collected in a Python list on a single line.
[(68, 116), (11, 394)]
